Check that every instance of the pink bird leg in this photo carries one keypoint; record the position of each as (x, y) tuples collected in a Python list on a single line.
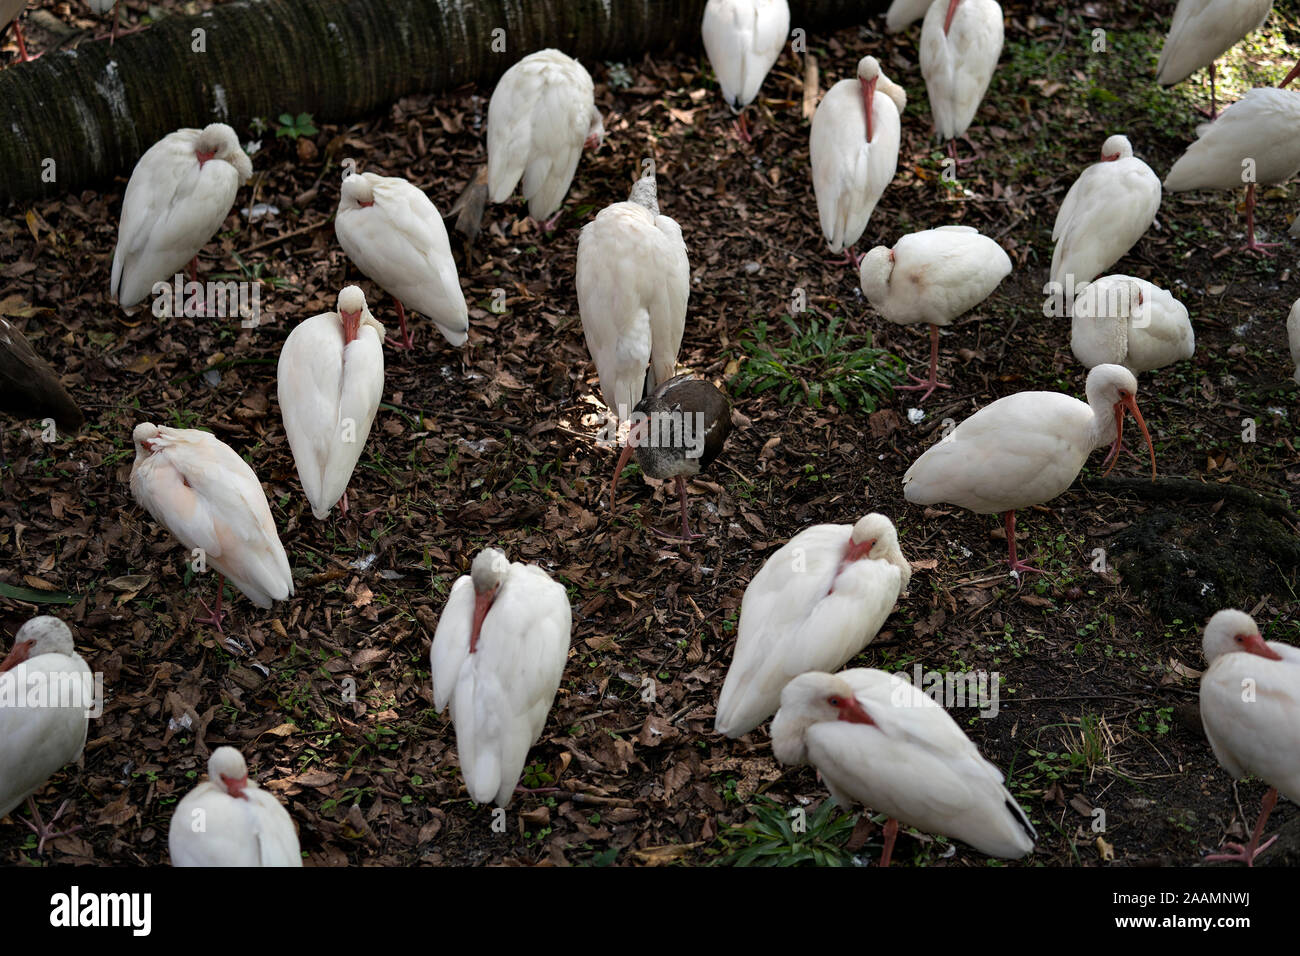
[(931, 383), (1246, 854)]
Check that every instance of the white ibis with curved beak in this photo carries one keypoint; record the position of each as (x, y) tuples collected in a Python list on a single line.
[(1250, 707), (497, 657), (1201, 32), (179, 194), (961, 41), (1104, 214), (1025, 449), (813, 605), (46, 694), (633, 281), (228, 820), (541, 115), (198, 488), (743, 39), (330, 379), (853, 150), (677, 431), (393, 233), (933, 277), (1255, 141), (1124, 320), (1293, 336), (881, 742)]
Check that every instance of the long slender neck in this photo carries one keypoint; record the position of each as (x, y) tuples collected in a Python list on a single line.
[(1103, 421)]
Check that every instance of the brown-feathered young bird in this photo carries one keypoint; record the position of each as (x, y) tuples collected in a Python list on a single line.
[(677, 431), (29, 389)]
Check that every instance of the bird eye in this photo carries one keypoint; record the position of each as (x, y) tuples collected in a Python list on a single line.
[(834, 701), (1239, 639)]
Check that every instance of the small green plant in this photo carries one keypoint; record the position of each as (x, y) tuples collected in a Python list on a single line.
[(295, 126), (771, 839), (821, 364), (535, 775)]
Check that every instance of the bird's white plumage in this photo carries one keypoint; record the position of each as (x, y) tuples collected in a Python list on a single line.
[(400, 242), (933, 276), (806, 609), (1022, 450), (173, 205), (329, 393), (541, 112), (743, 39), (1250, 705), (1104, 214), (848, 173), (213, 827), (199, 489), (36, 740), (501, 693), (633, 281), (1261, 129), (1293, 336), (903, 13), (912, 763), (1202, 30), (1124, 320), (958, 65)]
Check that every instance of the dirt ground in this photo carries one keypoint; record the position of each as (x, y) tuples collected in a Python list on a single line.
[(494, 445)]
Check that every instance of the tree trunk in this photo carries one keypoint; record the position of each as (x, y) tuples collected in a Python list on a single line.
[(79, 116)]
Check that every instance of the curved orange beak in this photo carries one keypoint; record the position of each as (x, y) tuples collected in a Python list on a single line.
[(868, 98), (1254, 644), (17, 655), (1129, 403), (947, 20), (852, 712), (351, 325)]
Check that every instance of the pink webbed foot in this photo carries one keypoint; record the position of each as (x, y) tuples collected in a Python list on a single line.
[(1240, 854), (928, 384)]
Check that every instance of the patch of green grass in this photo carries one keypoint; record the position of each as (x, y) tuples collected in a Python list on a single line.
[(295, 126), (778, 836)]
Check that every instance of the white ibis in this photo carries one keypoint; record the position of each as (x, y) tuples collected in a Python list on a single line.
[(743, 40), (11, 11), (633, 280), (881, 742), (813, 605), (961, 41), (46, 693), (330, 380), (497, 658), (198, 488), (1123, 320), (677, 431), (1025, 449), (394, 234), (1256, 140), (1201, 32), (176, 199), (1250, 707), (903, 13), (853, 149), (228, 820), (29, 388), (542, 113), (933, 277), (1293, 335), (1104, 214)]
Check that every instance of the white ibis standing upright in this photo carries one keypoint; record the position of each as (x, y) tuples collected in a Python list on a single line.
[(1201, 32), (677, 430), (393, 233), (330, 379), (633, 280), (1104, 214), (1293, 336), (932, 276), (1250, 708), (813, 605), (198, 488), (961, 41), (1123, 320), (743, 39), (1025, 449), (228, 820), (881, 742), (542, 112), (1256, 140), (29, 389), (46, 694), (497, 657), (853, 150), (176, 199)]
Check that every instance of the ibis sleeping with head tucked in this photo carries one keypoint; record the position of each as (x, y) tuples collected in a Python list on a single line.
[(879, 741), (743, 39), (961, 41), (814, 604), (1255, 732), (1025, 449), (1123, 320)]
